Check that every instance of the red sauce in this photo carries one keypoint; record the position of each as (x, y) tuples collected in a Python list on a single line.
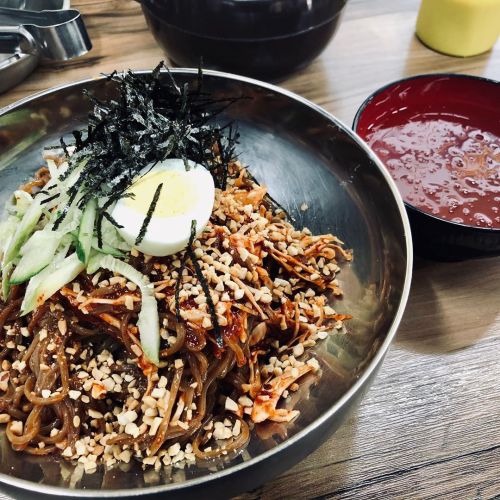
[(444, 167)]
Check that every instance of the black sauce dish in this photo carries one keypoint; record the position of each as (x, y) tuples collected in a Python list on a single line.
[(474, 100), (268, 39)]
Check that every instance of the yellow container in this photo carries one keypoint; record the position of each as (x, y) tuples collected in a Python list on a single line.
[(459, 27)]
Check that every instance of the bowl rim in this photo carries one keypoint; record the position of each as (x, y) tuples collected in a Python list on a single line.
[(367, 102), (370, 368), (145, 5)]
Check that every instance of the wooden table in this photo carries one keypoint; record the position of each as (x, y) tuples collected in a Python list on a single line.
[(430, 425)]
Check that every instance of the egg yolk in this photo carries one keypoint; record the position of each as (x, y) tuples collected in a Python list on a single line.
[(175, 198)]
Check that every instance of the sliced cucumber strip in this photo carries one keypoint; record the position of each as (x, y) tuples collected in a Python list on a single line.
[(6, 270), (148, 322), (107, 249), (37, 253), (64, 247), (21, 201), (42, 286), (23, 232), (7, 230), (86, 232)]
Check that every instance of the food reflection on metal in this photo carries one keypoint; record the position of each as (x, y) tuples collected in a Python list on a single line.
[(11, 144)]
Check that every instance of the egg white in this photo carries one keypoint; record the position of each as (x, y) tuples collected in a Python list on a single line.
[(168, 233)]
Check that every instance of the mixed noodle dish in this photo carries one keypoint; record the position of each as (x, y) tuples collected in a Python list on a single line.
[(157, 304)]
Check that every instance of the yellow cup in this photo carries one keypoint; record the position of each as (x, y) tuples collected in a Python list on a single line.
[(459, 27)]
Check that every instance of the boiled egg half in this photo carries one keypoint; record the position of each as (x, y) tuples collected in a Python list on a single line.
[(187, 194)]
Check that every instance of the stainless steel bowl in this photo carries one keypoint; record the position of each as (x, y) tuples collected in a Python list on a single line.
[(303, 154)]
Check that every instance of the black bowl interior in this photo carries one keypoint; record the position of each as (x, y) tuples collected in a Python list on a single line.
[(303, 156), (244, 19)]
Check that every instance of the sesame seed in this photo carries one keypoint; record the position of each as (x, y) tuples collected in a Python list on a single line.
[(313, 363), (16, 427), (132, 429), (298, 350), (231, 405), (136, 350), (237, 428), (62, 326), (245, 401), (129, 302), (125, 456), (182, 425), (74, 394), (174, 449), (67, 452)]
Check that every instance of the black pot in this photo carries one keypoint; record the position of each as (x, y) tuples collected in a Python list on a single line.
[(262, 38)]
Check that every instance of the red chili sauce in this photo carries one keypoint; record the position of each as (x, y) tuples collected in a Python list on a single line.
[(443, 167)]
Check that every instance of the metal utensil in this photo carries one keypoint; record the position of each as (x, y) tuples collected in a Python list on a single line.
[(36, 4), (55, 34), (301, 153), (16, 65)]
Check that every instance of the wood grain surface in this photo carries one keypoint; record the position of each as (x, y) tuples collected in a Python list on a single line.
[(430, 425)]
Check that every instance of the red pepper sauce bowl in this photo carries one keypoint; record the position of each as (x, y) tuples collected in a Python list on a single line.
[(439, 137)]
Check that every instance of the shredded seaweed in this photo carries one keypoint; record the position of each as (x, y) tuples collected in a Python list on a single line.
[(50, 198), (151, 118), (204, 286), (112, 220), (149, 215), (178, 284)]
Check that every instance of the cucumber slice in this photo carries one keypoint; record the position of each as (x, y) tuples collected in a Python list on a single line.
[(149, 326), (148, 322), (42, 286), (6, 270), (84, 243), (37, 253), (66, 242), (23, 232), (7, 229), (21, 201), (107, 249)]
